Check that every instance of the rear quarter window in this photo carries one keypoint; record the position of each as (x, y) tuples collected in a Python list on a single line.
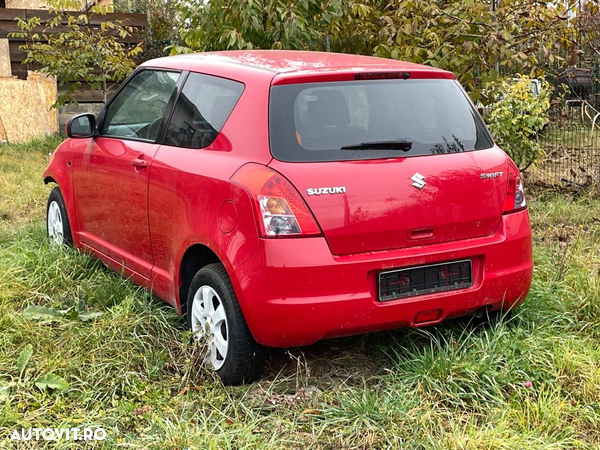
[(317, 121), (202, 109)]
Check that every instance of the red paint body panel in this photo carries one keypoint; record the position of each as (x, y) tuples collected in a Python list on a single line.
[(301, 293), (297, 290), (60, 171), (178, 191), (112, 196), (381, 210), (242, 62)]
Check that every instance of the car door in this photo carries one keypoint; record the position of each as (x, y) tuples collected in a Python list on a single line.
[(111, 187)]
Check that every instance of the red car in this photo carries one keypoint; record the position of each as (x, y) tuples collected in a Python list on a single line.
[(277, 198)]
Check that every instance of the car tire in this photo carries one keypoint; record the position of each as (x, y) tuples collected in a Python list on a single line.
[(57, 220), (215, 318)]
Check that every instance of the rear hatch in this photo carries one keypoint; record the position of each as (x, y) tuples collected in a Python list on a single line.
[(380, 209), (389, 163)]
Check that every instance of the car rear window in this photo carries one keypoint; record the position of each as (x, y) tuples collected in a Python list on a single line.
[(373, 119)]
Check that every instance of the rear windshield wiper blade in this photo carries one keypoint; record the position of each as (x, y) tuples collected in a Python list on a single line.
[(399, 144)]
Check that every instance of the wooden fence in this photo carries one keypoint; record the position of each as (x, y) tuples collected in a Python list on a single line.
[(84, 93)]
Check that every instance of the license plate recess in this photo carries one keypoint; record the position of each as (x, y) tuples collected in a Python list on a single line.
[(412, 281)]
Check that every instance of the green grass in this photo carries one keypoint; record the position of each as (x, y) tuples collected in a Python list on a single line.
[(529, 381)]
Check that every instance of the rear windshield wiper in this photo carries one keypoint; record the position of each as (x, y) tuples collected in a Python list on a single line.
[(399, 144)]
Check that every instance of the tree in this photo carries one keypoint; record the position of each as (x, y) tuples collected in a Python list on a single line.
[(73, 50), (474, 40), (162, 27), (233, 24), (478, 40)]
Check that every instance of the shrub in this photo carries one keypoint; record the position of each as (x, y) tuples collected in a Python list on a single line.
[(517, 115)]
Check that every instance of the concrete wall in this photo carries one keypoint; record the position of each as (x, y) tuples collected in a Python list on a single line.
[(25, 109)]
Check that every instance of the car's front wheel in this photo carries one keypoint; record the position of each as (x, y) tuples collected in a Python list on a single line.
[(215, 318), (57, 221)]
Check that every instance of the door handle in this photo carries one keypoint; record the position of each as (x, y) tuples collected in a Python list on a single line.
[(137, 162)]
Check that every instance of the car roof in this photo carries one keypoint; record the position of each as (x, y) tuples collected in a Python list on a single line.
[(288, 65)]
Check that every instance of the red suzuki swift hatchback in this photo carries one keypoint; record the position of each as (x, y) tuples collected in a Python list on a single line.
[(277, 198)]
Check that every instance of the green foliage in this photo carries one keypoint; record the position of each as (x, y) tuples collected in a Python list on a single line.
[(51, 381), (473, 41), (516, 117), (231, 24), (162, 27), (468, 38), (47, 381), (23, 359), (72, 50)]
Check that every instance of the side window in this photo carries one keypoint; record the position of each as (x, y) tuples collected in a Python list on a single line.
[(201, 111), (137, 110)]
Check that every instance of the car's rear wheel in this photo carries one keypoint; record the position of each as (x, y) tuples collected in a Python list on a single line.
[(215, 318), (57, 221)]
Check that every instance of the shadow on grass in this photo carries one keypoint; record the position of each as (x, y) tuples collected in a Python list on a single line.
[(351, 360)]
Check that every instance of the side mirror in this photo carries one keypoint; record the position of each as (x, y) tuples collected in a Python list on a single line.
[(81, 126)]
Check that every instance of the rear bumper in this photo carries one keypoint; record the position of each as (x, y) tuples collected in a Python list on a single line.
[(295, 292)]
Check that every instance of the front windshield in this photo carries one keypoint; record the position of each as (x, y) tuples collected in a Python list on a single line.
[(373, 119)]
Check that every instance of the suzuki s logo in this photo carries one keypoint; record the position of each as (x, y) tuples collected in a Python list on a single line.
[(419, 181), (326, 190)]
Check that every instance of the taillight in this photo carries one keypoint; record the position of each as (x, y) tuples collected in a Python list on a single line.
[(515, 194), (280, 209)]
